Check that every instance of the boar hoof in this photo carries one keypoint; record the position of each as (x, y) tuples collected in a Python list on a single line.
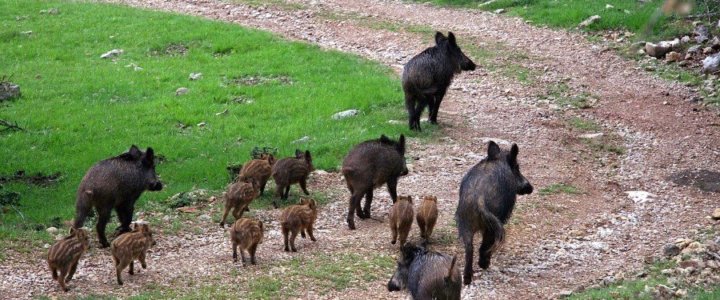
[(351, 224), (287, 249), (294, 250), (484, 263), (393, 242), (467, 280)]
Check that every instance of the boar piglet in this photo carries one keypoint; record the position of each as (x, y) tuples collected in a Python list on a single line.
[(289, 171), (247, 234), (427, 216), (298, 218), (131, 246), (238, 198), (401, 219), (259, 170), (64, 256)]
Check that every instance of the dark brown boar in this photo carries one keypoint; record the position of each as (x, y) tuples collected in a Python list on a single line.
[(368, 166), (401, 219), (116, 183), (291, 170), (131, 246), (259, 170), (247, 234), (298, 218), (427, 215), (64, 256), (427, 274), (238, 197), (427, 76), (487, 197)]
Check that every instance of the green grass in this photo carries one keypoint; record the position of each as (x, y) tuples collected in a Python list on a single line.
[(584, 124), (558, 188), (630, 15), (78, 109)]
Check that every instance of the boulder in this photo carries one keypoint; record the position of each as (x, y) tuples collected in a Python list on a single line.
[(8, 90), (345, 114), (660, 49), (589, 21), (673, 56), (711, 64), (716, 214), (701, 33), (670, 250)]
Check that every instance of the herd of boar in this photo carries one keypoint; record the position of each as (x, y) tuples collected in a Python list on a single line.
[(487, 195)]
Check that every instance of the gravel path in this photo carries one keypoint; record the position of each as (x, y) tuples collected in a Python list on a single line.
[(557, 242)]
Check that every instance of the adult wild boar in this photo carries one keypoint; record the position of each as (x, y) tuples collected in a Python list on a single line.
[(487, 197), (116, 183), (427, 76), (368, 166), (427, 274)]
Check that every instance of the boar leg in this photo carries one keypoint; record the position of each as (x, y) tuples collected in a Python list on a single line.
[(421, 224), (435, 105), (285, 233), (310, 233), (429, 229), (54, 273), (142, 260), (132, 267), (293, 235), (393, 231), (234, 246), (125, 213), (287, 192), (302, 232), (73, 268), (252, 251), (118, 271), (486, 249), (354, 205), (278, 192), (61, 279), (227, 210), (303, 186), (392, 188), (468, 273), (242, 257), (368, 202), (238, 212), (103, 218)]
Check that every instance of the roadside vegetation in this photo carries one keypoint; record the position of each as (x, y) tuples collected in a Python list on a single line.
[(256, 90)]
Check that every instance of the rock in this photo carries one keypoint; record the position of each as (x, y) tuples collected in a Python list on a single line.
[(395, 122), (663, 292), (711, 64), (715, 42), (681, 293), (112, 53), (591, 135), (486, 3), (640, 196), (50, 11), (201, 124), (564, 294), (46, 246), (716, 214), (707, 50), (670, 250), (672, 56), (701, 34), (51, 230), (694, 49), (195, 76), (181, 91), (657, 50), (609, 6), (589, 21), (8, 90), (685, 39), (204, 217), (302, 140), (499, 11), (600, 246), (345, 114)]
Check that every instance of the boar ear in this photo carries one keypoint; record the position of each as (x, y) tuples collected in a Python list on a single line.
[(513, 153), (384, 139), (401, 145), (73, 231), (449, 276), (149, 159), (298, 153), (439, 37), (308, 158), (493, 151), (134, 152), (451, 39)]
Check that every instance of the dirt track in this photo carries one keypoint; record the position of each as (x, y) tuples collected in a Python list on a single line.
[(556, 242)]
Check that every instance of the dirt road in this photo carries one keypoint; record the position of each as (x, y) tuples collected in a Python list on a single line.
[(526, 90)]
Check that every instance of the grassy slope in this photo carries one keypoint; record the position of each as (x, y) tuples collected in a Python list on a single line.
[(629, 15), (78, 109)]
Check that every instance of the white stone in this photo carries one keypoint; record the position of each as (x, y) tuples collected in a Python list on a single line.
[(591, 135), (112, 53), (51, 230), (181, 91), (195, 76), (640, 196), (345, 114), (589, 21)]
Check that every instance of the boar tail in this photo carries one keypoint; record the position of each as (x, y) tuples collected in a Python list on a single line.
[(82, 208), (493, 229)]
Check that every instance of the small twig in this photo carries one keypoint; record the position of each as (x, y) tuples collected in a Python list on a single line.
[(10, 126), (18, 211)]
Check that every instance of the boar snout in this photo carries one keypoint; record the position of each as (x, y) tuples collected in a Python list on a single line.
[(393, 285), (155, 186), (525, 187), (404, 171)]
